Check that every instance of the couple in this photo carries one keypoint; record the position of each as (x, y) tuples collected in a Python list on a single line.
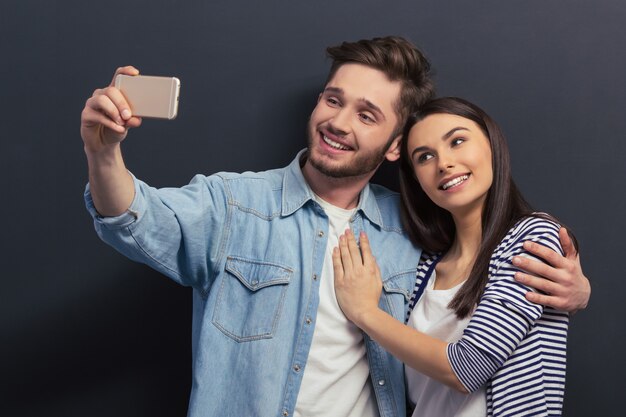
[(260, 252)]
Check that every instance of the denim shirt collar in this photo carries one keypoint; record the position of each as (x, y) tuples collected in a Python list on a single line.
[(296, 192)]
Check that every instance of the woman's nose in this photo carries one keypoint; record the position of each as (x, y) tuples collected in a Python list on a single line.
[(445, 163)]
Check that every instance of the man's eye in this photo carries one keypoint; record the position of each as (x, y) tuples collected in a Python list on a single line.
[(332, 101), (366, 118)]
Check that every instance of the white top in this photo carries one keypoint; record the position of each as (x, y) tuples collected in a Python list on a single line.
[(432, 398), (336, 376)]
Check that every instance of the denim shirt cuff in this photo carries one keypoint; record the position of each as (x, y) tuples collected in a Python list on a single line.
[(125, 219)]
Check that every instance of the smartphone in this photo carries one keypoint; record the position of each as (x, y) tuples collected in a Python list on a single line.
[(150, 96)]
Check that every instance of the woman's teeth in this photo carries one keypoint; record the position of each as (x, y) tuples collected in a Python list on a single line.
[(454, 182)]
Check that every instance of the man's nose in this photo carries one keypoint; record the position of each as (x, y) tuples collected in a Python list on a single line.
[(340, 122)]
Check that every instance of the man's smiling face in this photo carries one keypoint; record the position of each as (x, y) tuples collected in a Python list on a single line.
[(352, 126)]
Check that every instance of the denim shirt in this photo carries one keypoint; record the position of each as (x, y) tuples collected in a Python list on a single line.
[(251, 246)]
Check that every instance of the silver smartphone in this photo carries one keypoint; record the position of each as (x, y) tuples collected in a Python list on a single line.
[(150, 96)]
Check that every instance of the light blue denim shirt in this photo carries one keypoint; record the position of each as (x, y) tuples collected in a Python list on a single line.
[(251, 246)]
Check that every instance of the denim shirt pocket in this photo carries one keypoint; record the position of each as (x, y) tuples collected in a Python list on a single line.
[(250, 298), (397, 290)]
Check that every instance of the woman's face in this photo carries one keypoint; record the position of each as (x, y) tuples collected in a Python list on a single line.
[(451, 158)]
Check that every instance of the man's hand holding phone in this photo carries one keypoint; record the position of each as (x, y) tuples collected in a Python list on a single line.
[(107, 116), (111, 111)]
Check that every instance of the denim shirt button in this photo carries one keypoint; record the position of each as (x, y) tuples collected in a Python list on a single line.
[(381, 382), (320, 233), (314, 277), (296, 368), (285, 413), (308, 320)]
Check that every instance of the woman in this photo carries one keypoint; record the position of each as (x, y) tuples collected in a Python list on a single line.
[(473, 344)]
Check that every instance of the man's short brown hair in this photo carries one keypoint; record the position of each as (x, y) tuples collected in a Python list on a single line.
[(397, 58)]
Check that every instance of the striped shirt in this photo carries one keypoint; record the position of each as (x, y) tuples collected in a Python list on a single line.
[(516, 348)]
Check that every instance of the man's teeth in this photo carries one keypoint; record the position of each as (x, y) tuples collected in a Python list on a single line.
[(334, 144), (454, 182)]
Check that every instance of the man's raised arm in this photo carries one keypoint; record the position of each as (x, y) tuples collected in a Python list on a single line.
[(105, 122)]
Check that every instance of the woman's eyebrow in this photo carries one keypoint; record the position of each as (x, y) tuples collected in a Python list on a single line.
[(452, 131)]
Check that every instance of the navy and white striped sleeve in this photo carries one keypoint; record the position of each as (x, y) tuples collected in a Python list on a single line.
[(503, 316)]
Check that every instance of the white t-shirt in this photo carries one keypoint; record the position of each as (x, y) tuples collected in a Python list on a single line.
[(432, 398), (336, 378)]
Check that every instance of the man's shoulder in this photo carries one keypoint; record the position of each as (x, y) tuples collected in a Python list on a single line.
[(270, 175), (388, 202), (259, 192), (383, 193), (251, 181)]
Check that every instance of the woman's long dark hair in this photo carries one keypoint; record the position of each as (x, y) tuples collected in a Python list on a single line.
[(432, 228)]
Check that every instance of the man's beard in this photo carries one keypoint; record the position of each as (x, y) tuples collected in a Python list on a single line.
[(362, 164)]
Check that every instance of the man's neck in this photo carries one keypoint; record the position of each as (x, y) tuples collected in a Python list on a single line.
[(340, 192)]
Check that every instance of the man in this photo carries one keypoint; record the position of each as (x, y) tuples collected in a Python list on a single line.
[(268, 336)]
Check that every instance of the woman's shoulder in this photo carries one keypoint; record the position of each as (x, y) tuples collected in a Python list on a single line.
[(537, 227), (537, 222)]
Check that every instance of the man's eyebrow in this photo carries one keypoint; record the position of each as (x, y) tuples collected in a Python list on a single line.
[(373, 107), (335, 90)]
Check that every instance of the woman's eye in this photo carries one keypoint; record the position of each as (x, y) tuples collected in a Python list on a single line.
[(424, 157), (457, 141)]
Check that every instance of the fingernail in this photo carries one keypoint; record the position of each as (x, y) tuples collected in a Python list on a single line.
[(519, 277), (516, 261), (126, 114)]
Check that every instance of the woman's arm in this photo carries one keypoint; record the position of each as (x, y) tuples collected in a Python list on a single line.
[(501, 321), (358, 287), (505, 321)]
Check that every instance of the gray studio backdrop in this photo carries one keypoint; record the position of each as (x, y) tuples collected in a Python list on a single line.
[(86, 332)]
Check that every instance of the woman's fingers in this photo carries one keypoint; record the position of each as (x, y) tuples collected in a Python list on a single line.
[(344, 251), (337, 266), (355, 252), (366, 251)]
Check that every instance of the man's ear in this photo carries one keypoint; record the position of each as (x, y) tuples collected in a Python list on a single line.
[(393, 153)]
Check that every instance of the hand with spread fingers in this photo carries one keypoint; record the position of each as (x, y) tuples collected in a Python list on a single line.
[(560, 279), (358, 283)]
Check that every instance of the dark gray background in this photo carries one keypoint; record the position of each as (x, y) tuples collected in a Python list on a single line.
[(86, 332)]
